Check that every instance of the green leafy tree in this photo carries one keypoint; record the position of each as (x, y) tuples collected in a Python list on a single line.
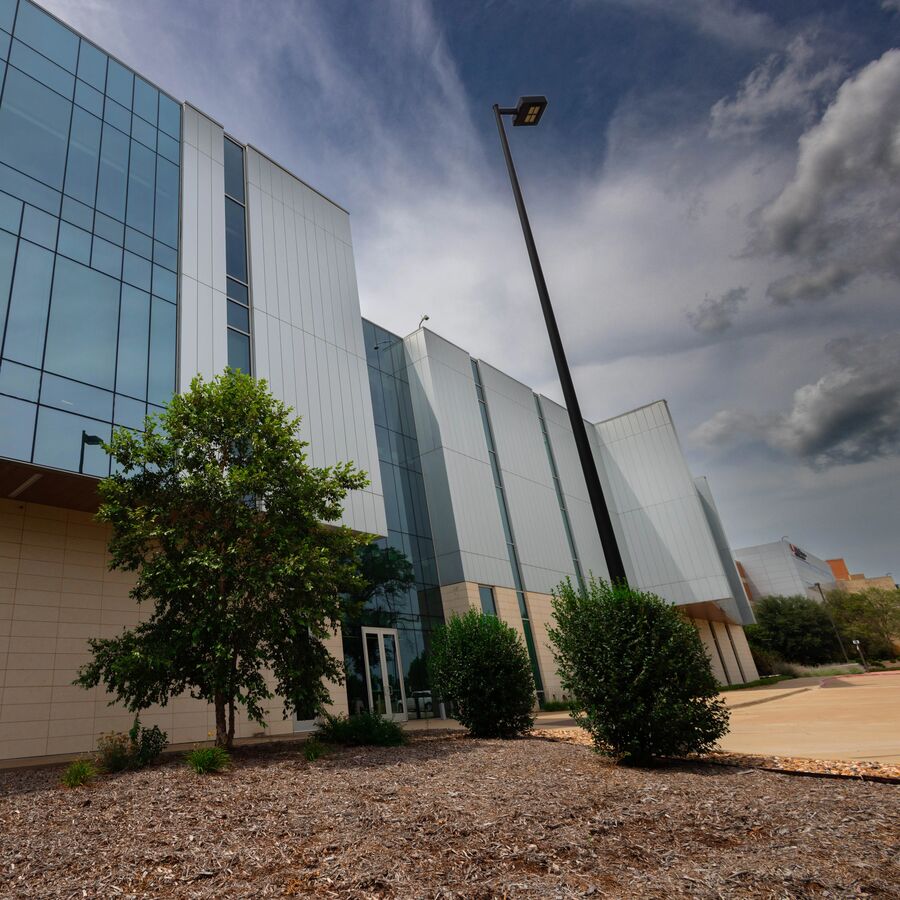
[(637, 672), (871, 616), (385, 575), (231, 535), (796, 628), (480, 664)]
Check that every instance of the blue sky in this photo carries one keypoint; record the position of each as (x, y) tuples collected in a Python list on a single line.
[(714, 190)]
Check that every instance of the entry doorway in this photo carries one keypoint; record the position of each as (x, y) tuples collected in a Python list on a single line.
[(384, 673)]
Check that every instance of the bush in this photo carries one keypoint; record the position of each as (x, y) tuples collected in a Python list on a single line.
[(207, 760), (768, 662), (78, 773), (637, 673), (365, 729), (313, 748), (556, 706), (796, 628), (480, 664), (140, 747)]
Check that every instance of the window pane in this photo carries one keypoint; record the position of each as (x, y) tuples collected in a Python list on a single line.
[(77, 213), (235, 241), (136, 271), (238, 351), (27, 321), (81, 338), (71, 396), (238, 316), (40, 227), (141, 187), (165, 256), (162, 352), (170, 116), (7, 261), (109, 229), (165, 284), (10, 213), (134, 336), (37, 66), (119, 83), (7, 14), (47, 35), (89, 98), (106, 257), (17, 432), (84, 156), (60, 438), (19, 381), (168, 147), (130, 412), (138, 243), (113, 180), (117, 115), (166, 224), (146, 100), (92, 66), (488, 606), (74, 243), (234, 170), (34, 122), (238, 292)]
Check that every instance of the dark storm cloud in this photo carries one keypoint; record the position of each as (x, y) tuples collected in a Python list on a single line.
[(715, 316)]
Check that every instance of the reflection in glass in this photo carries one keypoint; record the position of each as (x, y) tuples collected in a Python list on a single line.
[(238, 351), (141, 185), (72, 396), (161, 378), (376, 682), (27, 318), (392, 671), (19, 381), (84, 156), (58, 442), (488, 605), (235, 240), (134, 337), (46, 35), (17, 432), (165, 226), (234, 170)]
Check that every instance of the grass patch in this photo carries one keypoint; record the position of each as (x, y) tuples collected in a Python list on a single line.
[(208, 760), (822, 671), (364, 730), (760, 682), (78, 773), (313, 748), (556, 706)]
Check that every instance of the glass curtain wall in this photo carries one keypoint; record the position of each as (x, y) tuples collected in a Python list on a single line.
[(238, 279), (416, 612), (89, 190)]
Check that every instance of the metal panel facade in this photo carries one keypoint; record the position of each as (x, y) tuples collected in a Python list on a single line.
[(307, 330)]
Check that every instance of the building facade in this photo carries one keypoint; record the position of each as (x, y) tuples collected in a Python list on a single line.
[(140, 245), (855, 582), (781, 568)]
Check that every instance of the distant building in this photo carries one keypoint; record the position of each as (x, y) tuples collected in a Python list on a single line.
[(856, 582), (782, 568)]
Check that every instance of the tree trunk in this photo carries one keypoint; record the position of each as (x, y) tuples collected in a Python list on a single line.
[(230, 722), (222, 739)]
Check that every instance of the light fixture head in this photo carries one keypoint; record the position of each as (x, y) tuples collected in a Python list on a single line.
[(424, 318), (529, 110), (92, 440)]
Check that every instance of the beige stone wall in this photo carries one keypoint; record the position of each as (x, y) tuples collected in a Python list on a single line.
[(55, 592), (732, 670), (541, 618), (743, 652), (458, 599), (703, 627)]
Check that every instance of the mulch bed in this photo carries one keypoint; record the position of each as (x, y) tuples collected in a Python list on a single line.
[(444, 817)]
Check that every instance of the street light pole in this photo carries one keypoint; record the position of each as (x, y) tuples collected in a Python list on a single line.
[(528, 112)]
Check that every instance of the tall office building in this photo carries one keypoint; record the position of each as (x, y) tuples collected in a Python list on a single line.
[(141, 244)]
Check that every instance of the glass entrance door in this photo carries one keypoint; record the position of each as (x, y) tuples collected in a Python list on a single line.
[(384, 673)]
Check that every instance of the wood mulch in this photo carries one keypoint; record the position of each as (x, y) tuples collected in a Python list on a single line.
[(447, 816)]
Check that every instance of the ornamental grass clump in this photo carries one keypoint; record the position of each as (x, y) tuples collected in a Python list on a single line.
[(78, 773), (637, 672), (480, 664), (208, 760), (367, 729)]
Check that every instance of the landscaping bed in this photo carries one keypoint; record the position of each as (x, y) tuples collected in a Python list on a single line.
[(446, 816)]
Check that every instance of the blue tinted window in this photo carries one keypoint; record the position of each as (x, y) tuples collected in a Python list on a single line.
[(134, 335), (60, 440), (138, 243), (237, 292), (27, 320), (117, 115), (234, 170), (84, 156), (4, 45), (74, 243), (18, 428), (165, 256), (109, 229), (28, 189), (77, 213), (7, 262), (235, 241), (170, 116), (165, 284), (81, 338), (72, 396), (19, 381), (39, 227), (161, 380), (238, 351), (34, 122), (113, 181), (10, 213), (136, 271), (92, 66), (166, 222), (143, 131), (119, 83), (130, 413), (146, 100), (47, 36), (141, 187), (7, 14), (88, 98), (168, 147), (488, 606), (106, 257), (39, 67), (238, 316)]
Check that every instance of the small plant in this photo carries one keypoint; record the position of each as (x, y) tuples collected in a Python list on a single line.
[(140, 747), (313, 748), (556, 706), (78, 773), (208, 760), (365, 729), (480, 664), (637, 671)]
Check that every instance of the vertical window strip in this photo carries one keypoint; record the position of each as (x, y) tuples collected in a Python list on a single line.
[(240, 343), (518, 581), (560, 497)]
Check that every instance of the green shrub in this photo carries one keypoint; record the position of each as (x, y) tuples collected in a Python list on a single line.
[(768, 662), (207, 760), (79, 772), (796, 628), (313, 748), (480, 664), (637, 672), (365, 729), (140, 747), (556, 706)]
